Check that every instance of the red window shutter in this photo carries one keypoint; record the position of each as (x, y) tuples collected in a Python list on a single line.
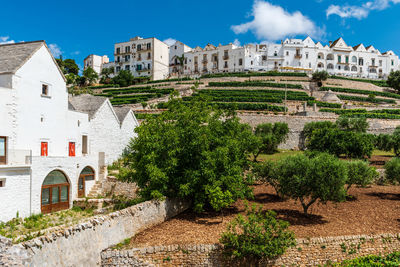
[(44, 149), (71, 149)]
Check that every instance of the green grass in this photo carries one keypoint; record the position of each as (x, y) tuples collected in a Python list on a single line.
[(278, 156), (382, 153)]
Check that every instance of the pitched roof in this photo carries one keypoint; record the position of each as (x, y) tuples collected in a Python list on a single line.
[(331, 97), (86, 103), (335, 42), (13, 56), (356, 47), (122, 112)]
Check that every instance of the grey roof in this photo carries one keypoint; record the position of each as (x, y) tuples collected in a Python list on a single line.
[(331, 97), (121, 112), (13, 56), (86, 103)]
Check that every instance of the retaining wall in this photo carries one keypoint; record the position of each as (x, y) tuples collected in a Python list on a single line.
[(82, 244), (308, 252)]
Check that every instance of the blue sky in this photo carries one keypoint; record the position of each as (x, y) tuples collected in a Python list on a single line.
[(78, 28)]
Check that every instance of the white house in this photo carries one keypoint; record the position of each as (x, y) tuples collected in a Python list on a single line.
[(95, 62), (53, 147), (177, 50)]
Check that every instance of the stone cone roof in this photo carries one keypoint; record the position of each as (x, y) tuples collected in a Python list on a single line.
[(331, 97)]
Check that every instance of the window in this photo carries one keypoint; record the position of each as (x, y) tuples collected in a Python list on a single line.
[(2, 182), (392, 62), (226, 64), (138, 67), (148, 66), (373, 62), (339, 59), (118, 50), (264, 57), (354, 59), (71, 149), (380, 63), (45, 89), (44, 149), (148, 46), (360, 61), (117, 69), (127, 49), (55, 192), (148, 55), (3, 150), (127, 67), (287, 53), (139, 47), (240, 61), (306, 55), (347, 59)]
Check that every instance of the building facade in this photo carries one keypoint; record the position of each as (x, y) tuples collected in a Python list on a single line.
[(53, 147), (95, 62)]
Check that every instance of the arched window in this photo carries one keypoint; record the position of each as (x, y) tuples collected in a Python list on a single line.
[(346, 68), (87, 174), (330, 66), (354, 59), (55, 192), (330, 57), (320, 65), (321, 56), (354, 68)]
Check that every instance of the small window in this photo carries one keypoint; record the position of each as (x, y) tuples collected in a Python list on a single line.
[(2, 182), (71, 149), (44, 149), (45, 89), (84, 144)]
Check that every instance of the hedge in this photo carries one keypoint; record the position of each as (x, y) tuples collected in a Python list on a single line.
[(115, 92), (254, 74), (362, 113), (275, 94), (361, 92), (254, 84), (324, 104), (380, 83), (392, 259), (237, 106), (144, 116), (132, 99), (172, 80), (104, 86), (366, 99)]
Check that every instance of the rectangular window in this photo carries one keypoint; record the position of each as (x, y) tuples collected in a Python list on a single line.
[(3, 150), (347, 59), (392, 62), (139, 47), (2, 182), (71, 149), (127, 67), (84, 144), (127, 49), (148, 66), (45, 89), (149, 46), (118, 50), (44, 149), (240, 61), (339, 59)]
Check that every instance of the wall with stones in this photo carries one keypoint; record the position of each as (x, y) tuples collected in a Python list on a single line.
[(112, 186), (308, 252), (81, 245), (296, 125)]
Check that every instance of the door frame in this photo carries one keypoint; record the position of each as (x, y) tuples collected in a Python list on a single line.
[(58, 206), (82, 193), (3, 159)]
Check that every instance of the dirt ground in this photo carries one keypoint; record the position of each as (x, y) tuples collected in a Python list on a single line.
[(372, 210)]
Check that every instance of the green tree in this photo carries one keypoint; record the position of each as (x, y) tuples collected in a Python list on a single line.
[(90, 75), (72, 78), (320, 76), (392, 170), (105, 75), (258, 235), (309, 180), (359, 173), (359, 125), (70, 66), (394, 80), (265, 172), (191, 152), (60, 63), (312, 126), (270, 136), (181, 60), (124, 78)]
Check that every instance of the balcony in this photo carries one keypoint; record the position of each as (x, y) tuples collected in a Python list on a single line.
[(298, 56), (143, 49), (143, 70), (204, 61), (226, 57), (17, 158)]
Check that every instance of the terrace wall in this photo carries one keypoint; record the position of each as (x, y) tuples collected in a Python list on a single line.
[(309, 252), (81, 245), (296, 125)]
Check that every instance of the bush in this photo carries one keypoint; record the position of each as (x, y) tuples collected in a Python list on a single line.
[(380, 83), (124, 78), (392, 259), (254, 84), (366, 99), (361, 92), (392, 170), (359, 125), (191, 152), (320, 76), (394, 80), (257, 236), (270, 136), (309, 180), (264, 172), (312, 126), (359, 173)]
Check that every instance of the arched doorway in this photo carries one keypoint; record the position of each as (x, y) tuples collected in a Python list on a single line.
[(87, 174), (55, 192)]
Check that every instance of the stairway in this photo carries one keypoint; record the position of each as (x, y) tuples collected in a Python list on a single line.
[(95, 191)]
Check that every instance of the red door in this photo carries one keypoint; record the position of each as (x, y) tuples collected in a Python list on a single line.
[(71, 149), (44, 149)]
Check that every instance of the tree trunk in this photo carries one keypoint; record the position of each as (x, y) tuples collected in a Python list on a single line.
[(306, 206)]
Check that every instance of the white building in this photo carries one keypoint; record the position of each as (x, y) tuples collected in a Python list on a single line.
[(176, 51), (52, 147), (143, 57), (293, 55), (95, 62)]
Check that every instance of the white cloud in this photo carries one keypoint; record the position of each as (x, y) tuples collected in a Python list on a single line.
[(273, 23), (55, 50), (169, 41), (359, 12), (6, 40), (75, 53), (236, 42)]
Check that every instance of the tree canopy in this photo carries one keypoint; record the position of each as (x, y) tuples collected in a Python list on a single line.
[(394, 80)]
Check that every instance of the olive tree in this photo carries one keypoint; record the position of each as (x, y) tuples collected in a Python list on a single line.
[(394, 80), (359, 173), (309, 180)]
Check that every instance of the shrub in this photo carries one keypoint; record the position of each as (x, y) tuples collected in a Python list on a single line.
[(392, 259), (320, 76), (380, 83), (366, 99), (264, 172), (191, 152), (394, 80), (359, 173), (254, 84), (361, 92), (309, 180), (359, 125), (257, 236), (270, 136), (392, 170), (312, 126), (383, 142), (124, 78)]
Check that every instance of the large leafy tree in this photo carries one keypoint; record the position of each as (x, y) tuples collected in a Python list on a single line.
[(394, 80), (90, 75), (192, 152), (124, 78), (70, 66)]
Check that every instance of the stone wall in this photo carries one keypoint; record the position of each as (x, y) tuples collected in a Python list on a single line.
[(308, 252), (296, 125), (112, 186), (81, 245)]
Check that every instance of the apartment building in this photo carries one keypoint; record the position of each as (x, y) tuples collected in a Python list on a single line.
[(143, 57), (53, 147), (95, 62), (176, 51)]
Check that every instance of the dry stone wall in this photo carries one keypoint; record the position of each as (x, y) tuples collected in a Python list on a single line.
[(112, 186), (308, 252), (81, 245)]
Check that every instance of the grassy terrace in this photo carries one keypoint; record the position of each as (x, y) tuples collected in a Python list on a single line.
[(255, 84), (366, 99), (133, 95), (237, 106), (20, 230), (361, 92), (380, 83), (363, 113)]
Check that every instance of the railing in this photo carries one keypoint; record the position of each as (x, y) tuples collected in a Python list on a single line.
[(144, 69), (205, 61), (298, 56), (18, 157), (226, 57)]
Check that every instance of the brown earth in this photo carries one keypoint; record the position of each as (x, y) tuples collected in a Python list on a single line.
[(372, 210)]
